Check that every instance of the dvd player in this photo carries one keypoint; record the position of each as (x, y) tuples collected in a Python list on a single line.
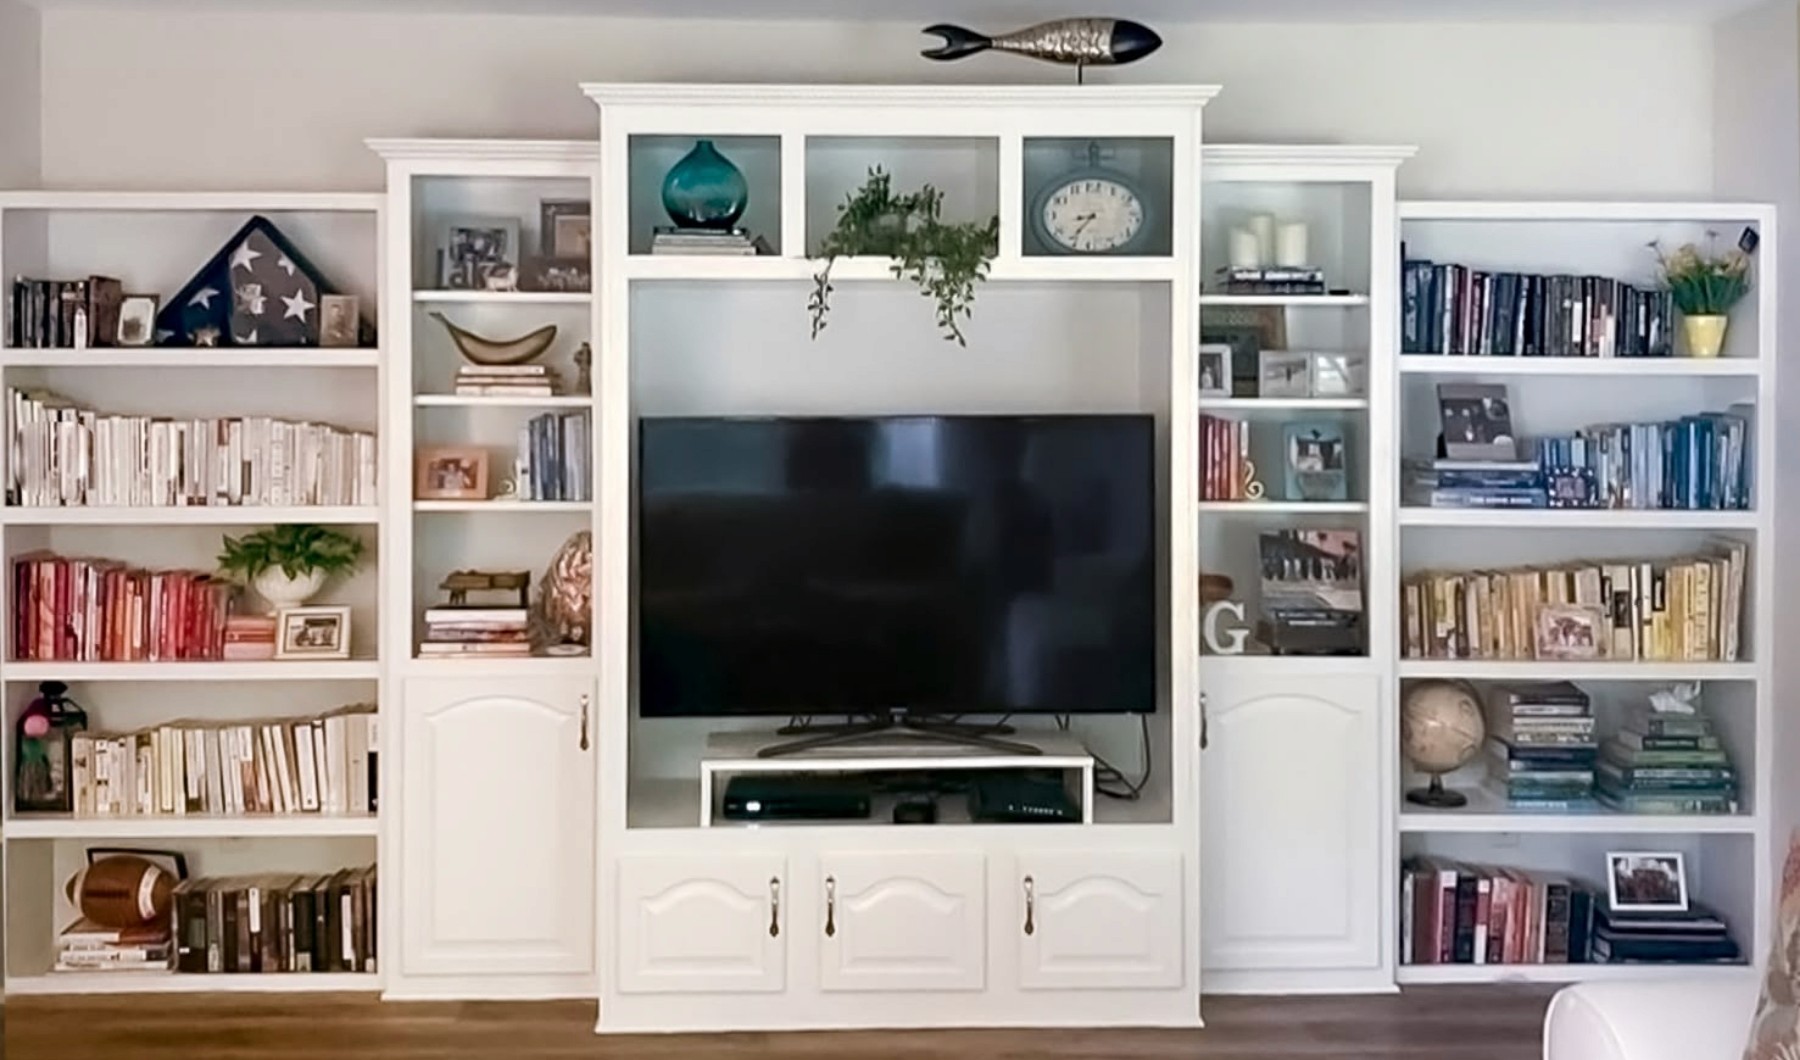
[(795, 797)]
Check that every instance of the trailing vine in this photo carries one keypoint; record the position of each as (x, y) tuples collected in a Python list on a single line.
[(945, 260)]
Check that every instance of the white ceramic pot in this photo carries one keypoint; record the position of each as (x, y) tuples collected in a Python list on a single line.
[(281, 591)]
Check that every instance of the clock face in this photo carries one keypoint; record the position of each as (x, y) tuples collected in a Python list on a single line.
[(1092, 215)]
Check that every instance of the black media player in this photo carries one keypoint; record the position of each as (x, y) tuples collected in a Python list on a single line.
[(795, 797)]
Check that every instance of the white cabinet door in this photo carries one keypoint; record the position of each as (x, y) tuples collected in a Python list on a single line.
[(902, 921), (1098, 921), (497, 828), (702, 924), (1290, 842)]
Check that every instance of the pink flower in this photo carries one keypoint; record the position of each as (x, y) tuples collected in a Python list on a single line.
[(37, 726)]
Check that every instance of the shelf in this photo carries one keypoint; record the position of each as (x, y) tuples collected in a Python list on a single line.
[(1430, 364), (504, 297), (170, 516), (271, 670), (772, 268), (502, 401), (1426, 974), (176, 983), (188, 827), (1579, 519), (503, 506), (1567, 210), (213, 201), (1487, 813), (192, 357), (1601, 670), (1291, 301), (1237, 404), (1284, 507)]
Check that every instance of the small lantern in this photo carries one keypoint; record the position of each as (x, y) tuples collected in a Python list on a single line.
[(44, 736)]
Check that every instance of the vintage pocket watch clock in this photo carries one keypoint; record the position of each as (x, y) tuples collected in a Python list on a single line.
[(1091, 210)]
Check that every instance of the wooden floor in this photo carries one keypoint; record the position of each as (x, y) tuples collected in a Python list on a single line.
[(1454, 1023)]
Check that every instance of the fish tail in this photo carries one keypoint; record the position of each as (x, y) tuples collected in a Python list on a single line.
[(958, 42)]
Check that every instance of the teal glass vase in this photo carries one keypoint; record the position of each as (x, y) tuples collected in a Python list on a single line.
[(705, 190)]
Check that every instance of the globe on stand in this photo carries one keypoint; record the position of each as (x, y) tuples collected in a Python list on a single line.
[(1441, 730)]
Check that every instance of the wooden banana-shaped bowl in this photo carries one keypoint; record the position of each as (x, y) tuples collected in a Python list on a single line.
[(491, 351)]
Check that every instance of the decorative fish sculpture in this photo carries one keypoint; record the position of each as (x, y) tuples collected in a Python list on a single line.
[(1076, 41)]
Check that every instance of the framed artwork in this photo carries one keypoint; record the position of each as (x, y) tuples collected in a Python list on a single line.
[(566, 229), (1567, 632), (451, 473), (1641, 882), (1338, 375), (556, 274), (1477, 421), (340, 318), (1313, 455), (1283, 374), (474, 253), (312, 633), (137, 320), (1214, 370)]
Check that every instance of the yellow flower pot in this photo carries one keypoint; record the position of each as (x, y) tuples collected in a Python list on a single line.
[(1705, 335)]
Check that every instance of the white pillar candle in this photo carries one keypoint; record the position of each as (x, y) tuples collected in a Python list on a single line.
[(1290, 245), (1263, 226), (1245, 252)]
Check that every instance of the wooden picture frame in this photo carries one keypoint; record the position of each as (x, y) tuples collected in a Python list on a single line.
[(312, 633), (450, 473), (1571, 633), (1646, 881)]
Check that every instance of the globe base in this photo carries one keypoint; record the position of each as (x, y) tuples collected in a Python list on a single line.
[(1437, 796)]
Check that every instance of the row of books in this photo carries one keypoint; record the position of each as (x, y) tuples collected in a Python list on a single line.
[(325, 765), (277, 923), (64, 313), (519, 380), (1457, 913), (1543, 747), (1225, 451), (1695, 462), (92, 610), (554, 458), (476, 632), (1685, 609), (1453, 309), (68, 456)]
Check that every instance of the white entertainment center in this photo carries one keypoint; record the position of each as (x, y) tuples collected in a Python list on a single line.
[(537, 837)]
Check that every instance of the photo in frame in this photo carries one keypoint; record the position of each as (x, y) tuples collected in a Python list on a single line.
[(451, 473), (1313, 456), (1476, 419), (1338, 375), (556, 274), (473, 252), (340, 320), (1214, 369), (312, 633), (1571, 632), (1646, 882), (1283, 374), (566, 229), (137, 320)]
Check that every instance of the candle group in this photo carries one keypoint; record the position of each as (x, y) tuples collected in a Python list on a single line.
[(1262, 242)]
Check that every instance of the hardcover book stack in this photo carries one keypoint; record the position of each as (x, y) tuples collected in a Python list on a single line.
[(66, 314), (277, 923), (85, 946), (476, 632), (1224, 448), (1475, 484), (733, 242), (67, 456), (553, 458), (1452, 309), (498, 380), (323, 765), (90, 610), (1667, 763), (1543, 746), (1693, 936), (249, 638), (1301, 279), (1456, 913), (1696, 462)]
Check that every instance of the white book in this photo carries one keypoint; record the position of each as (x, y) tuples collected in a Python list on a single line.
[(215, 774), (320, 766), (306, 765), (356, 764), (267, 774), (336, 799), (260, 765)]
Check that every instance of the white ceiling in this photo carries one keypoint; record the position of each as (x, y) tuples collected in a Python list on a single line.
[(1001, 15)]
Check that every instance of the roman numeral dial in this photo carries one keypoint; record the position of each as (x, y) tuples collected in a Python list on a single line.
[(1092, 215)]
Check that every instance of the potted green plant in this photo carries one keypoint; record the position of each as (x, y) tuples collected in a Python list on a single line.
[(287, 564), (1704, 286), (946, 260)]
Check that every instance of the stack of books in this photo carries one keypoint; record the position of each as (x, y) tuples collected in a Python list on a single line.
[(1456, 913), (1695, 462), (1668, 764), (1693, 936), (496, 380), (1475, 484), (700, 241), (1543, 745), (249, 638), (277, 923), (476, 632), (1301, 279), (85, 946)]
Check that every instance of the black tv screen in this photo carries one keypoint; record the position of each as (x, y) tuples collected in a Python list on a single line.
[(915, 564)]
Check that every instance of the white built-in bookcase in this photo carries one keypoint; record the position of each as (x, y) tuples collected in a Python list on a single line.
[(154, 242), (1728, 857)]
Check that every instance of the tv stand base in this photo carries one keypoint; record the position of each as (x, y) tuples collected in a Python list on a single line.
[(923, 730)]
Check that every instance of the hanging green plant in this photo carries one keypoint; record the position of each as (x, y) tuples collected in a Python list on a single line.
[(945, 260)]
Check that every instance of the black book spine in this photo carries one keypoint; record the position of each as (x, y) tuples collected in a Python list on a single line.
[(1463, 951), (1581, 924), (302, 899), (190, 931), (1556, 923), (1409, 307), (322, 918), (228, 927)]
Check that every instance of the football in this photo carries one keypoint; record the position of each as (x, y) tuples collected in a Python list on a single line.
[(122, 891)]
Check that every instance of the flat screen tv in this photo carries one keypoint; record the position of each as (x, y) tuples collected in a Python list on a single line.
[(896, 566)]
